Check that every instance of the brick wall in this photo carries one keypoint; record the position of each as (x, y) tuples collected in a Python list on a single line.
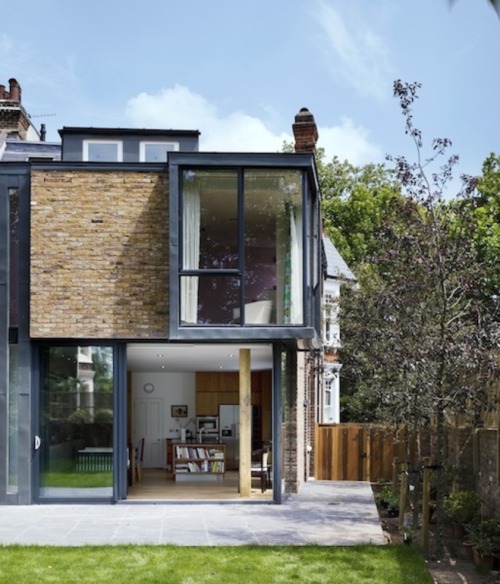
[(13, 119), (99, 254)]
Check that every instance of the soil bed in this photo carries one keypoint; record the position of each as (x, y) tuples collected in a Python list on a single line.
[(455, 567)]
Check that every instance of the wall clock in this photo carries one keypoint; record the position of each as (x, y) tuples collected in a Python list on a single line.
[(149, 387)]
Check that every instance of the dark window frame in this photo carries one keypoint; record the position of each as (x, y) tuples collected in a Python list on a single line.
[(178, 162)]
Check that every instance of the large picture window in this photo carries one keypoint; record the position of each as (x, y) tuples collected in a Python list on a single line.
[(241, 260)]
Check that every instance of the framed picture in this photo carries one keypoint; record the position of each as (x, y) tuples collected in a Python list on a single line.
[(179, 411)]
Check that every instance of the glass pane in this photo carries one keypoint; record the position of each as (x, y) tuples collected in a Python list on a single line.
[(273, 247), (76, 422), (218, 300), (157, 152), (12, 485), (210, 219), (102, 152), (13, 257)]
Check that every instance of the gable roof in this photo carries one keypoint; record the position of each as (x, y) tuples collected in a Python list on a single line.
[(335, 266)]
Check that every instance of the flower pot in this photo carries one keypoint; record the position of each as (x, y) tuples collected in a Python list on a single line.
[(458, 530), (469, 552), (487, 561)]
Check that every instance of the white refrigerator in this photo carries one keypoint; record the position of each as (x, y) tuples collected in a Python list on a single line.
[(229, 433)]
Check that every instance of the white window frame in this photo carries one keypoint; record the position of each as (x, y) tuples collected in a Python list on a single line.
[(144, 145), (117, 143)]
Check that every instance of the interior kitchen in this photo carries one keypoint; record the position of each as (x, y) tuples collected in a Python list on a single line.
[(183, 426)]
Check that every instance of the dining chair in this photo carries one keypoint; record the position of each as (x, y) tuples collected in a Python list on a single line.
[(139, 457), (260, 467)]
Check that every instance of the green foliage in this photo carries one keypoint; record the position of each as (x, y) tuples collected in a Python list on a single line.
[(418, 332), (463, 506), (79, 416), (212, 565), (484, 536), (485, 206), (385, 498), (356, 200), (104, 416), (102, 362)]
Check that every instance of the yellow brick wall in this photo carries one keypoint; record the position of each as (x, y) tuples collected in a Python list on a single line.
[(99, 254)]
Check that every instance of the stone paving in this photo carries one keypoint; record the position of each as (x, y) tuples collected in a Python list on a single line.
[(323, 513)]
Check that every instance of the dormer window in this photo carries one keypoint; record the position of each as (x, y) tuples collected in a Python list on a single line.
[(102, 151), (156, 151)]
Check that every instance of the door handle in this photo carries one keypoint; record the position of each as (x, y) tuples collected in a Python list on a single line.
[(38, 442)]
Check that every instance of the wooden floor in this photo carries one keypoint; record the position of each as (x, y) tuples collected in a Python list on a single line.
[(158, 484)]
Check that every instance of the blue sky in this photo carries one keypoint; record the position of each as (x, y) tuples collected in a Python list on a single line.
[(240, 71)]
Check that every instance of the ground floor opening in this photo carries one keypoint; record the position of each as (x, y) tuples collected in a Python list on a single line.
[(144, 421)]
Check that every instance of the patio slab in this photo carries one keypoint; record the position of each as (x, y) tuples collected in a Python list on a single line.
[(324, 513)]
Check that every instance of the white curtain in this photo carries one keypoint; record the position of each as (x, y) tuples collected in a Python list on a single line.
[(190, 251), (296, 308)]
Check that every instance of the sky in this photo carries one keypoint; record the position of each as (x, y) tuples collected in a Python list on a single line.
[(240, 71)]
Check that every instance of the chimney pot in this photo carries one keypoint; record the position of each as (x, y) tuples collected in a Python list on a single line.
[(2, 92), (14, 90)]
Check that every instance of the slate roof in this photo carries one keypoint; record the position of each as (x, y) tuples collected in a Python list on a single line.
[(335, 266), (14, 150)]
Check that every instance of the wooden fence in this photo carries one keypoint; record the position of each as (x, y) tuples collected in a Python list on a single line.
[(357, 452), (365, 452)]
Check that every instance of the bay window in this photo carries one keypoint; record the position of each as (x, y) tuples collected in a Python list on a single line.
[(240, 252)]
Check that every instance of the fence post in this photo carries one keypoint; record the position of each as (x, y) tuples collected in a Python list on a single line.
[(498, 435), (426, 504), (395, 471), (403, 492)]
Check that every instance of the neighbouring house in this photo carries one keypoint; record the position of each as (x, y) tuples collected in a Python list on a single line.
[(336, 274), (158, 305)]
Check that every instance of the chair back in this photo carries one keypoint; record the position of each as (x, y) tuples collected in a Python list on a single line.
[(140, 450)]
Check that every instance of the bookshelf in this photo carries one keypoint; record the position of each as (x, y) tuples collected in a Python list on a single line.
[(194, 461)]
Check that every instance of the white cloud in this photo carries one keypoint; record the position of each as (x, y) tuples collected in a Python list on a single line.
[(355, 51), (180, 108), (349, 142)]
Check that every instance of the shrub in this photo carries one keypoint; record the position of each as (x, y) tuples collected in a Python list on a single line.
[(485, 535), (463, 506)]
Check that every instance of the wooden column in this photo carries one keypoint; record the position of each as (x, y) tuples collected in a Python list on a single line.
[(245, 423)]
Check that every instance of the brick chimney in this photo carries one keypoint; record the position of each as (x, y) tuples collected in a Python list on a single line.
[(14, 120), (305, 131)]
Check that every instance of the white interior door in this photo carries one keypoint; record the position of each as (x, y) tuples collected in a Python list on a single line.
[(148, 424)]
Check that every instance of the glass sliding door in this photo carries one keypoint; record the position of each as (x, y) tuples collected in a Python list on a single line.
[(76, 422)]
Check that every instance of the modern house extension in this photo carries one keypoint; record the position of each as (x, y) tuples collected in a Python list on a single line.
[(155, 305)]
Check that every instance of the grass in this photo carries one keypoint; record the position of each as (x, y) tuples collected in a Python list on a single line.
[(396, 564), (63, 473), (77, 479)]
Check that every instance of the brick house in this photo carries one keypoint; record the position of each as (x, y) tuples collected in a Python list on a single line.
[(144, 287)]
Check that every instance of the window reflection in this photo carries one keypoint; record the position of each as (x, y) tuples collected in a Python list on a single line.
[(254, 211), (76, 422)]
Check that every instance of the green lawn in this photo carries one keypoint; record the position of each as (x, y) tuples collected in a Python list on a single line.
[(77, 479), (394, 564)]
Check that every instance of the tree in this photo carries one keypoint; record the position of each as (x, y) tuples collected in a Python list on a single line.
[(420, 334), (485, 202), (494, 3), (356, 200)]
